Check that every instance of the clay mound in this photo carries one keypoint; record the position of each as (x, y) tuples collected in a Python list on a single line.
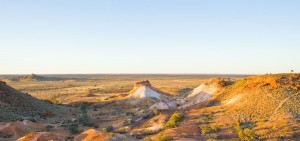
[(144, 89), (42, 136), (20, 128), (94, 135), (16, 105)]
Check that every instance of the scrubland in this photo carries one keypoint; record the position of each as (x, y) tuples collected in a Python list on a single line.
[(70, 87)]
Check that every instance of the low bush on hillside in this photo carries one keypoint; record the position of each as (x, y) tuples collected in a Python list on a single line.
[(155, 112), (54, 100), (206, 118), (206, 129), (147, 139), (108, 129), (244, 133), (84, 117), (73, 127), (174, 120), (212, 137), (130, 114), (49, 127), (247, 134), (164, 137)]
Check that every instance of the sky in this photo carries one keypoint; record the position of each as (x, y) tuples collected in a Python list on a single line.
[(149, 36)]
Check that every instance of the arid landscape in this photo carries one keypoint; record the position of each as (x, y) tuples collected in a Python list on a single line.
[(149, 70), (150, 107)]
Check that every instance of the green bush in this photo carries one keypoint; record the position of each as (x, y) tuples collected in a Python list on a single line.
[(147, 139), (164, 137), (214, 128), (54, 100), (174, 120), (111, 134), (49, 127), (207, 118), (108, 129), (73, 128), (244, 134), (155, 112), (205, 129), (247, 134), (212, 137), (84, 118)]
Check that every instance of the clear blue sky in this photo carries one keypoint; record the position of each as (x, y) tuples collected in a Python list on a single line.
[(149, 36)]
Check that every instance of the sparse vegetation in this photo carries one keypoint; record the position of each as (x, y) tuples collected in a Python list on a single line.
[(49, 127), (206, 129), (244, 134), (54, 100), (212, 137), (147, 139), (73, 127), (247, 134), (108, 129), (174, 120), (164, 137), (84, 118), (155, 111)]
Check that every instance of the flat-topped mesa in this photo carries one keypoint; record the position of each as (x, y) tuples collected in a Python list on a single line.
[(142, 83)]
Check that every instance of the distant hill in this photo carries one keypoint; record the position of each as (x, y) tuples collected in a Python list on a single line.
[(35, 77), (32, 77), (17, 105)]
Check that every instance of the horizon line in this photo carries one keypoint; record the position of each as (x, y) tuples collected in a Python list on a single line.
[(135, 74)]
